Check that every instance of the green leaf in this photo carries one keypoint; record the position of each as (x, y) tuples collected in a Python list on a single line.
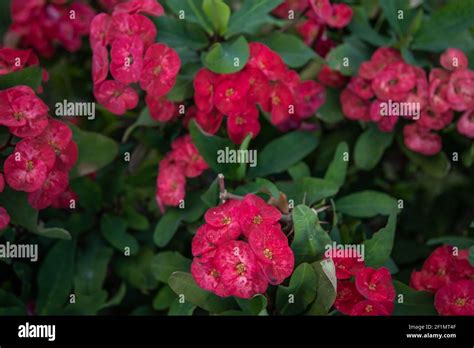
[(91, 267), (299, 170), (134, 219), (310, 238), (167, 227), (438, 30), (251, 14), (257, 186), (256, 305), (337, 169), (184, 284), (283, 152), (367, 204), (136, 270), (291, 48), (379, 247), (326, 287), (55, 277), (370, 147), (53, 232), (331, 112), (295, 298), (181, 309), (361, 27), (437, 166), (143, 120), (168, 262), (218, 13), (209, 147), (180, 33), (347, 57), (30, 76), (5, 17), (412, 302), (20, 211), (164, 298), (191, 11), (95, 151), (117, 298), (228, 57), (391, 10), (457, 241), (309, 190), (10, 304), (211, 197), (114, 230)]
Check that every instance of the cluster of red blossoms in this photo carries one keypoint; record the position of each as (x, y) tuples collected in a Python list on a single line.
[(448, 273), (41, 23), (370, 293), (183, 161), (266, 81), (241, 249), (387, 78), (134, 58), (40, 162)]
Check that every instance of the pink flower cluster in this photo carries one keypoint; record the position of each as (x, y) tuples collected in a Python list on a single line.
[(40, 24), (447, 273), (387, 78), (266, 81), (183, 161), (40, 162), (134, 58), (241, 249), (370, 293)]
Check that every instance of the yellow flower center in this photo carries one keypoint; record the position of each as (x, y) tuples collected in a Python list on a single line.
[(257, 219), (268, 254), (226, 220), (240, 269), (229, 92), (460, 302)]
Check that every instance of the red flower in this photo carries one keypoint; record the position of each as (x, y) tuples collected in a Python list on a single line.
[(18, 105), (208, 278), (372, 308), (27, 167), (225, 216), (309, 96), (55, 184), (360, 87), (115, 96), (204, 86), (257, 214), (32, 128), (280, 101), (161, 109), (2, 183), (354, 107), (124, 24), (99, 30), (453, 59), (465, 125), (160, 67), (309, 30), (381, 58), (322, 9), (460, 92), (207, 239), (67, 158), (432, 120), (456, 298), (239, 270), (346, 267), (12, 59), (266, 60), (209, 122), (290, 5), (275, 257), (331, 78), (394, 82), (240, 124), (170, 185), (127, 59), (231, 93), (347, 297), (4, 218), (149, 7), (259, 91), (340, 17), (100, 64), (421, 140), (375, 285), (186, 155), (65, 199)]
